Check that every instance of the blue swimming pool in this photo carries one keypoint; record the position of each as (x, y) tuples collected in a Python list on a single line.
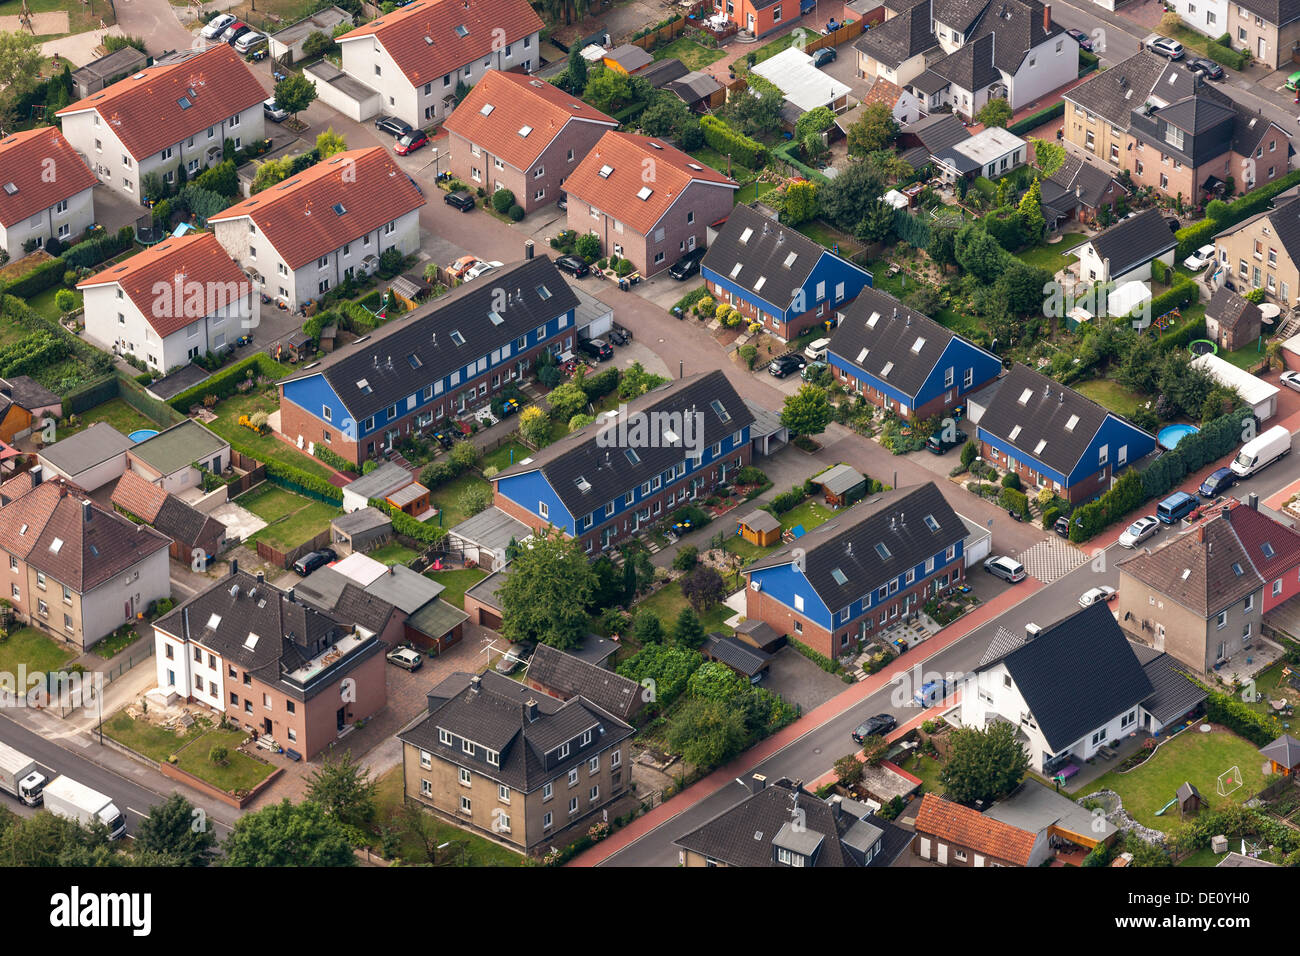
[(141, 434), (1171, 435)]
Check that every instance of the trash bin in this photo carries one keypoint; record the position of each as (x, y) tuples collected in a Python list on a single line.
[(623, 284)]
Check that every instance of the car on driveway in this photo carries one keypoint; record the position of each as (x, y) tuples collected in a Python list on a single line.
[(393, 126), (811, 370), (1291, 380), (1138, 531), (1207, 68), (409, 142), (687, 265), (1217, 482), (233, 32), (1092, 596), (1201, 258), (405, 658), (878, 725), (481, 267), (816, 349), (461, 199), (563, 202), (785, 364), (459, 268), (1062, 526), (310, 562), (1008, 569), (573, 266), (596, 348), (509, 662), (216, 26), (1164, 46), (939, 444), (823, 56), (248, 41), (273, 112), (1081, 38)]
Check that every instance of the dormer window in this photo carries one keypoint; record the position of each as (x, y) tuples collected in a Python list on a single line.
[(586, 737)]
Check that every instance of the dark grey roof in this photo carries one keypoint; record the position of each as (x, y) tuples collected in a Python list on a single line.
[(1176, 692), (568, 675), (26, 392), (1277, 12), (126, 60), (1251, 128), (760, 520), (74, 454), (1078, 675), (970, 66), (1205, 570), (354, 606), (426, 333), (739, 656), (1131, 242), (1018, 26), (848, 546), (382, 481), (1113, 94), (1286, 223), (404, 589), (662, 72), (939, 133), (363, 519), (1285, 751), (762, 633), (900, 38), (694, 86), (1090, 182), (840, 479), (959, 14), (1185, 790), (608, 472), (891, 342), (184, 523), (1229, 309), (493, 712), (492, 528), (629, 56), (437, 619), (929, 83), (488, 590)]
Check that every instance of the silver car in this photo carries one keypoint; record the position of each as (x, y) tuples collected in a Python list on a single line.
[(1008, 569), (1139, 531), (216, 25)]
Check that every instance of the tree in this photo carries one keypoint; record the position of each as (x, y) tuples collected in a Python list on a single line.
[(996, 112), (316, 44), (813, 123), (687, 557), (1048, 156), (707, 733), (849, 770), (847, 197), (295, 93), (704, 588), (874, 749), (270, 172), (20, 62), (876, 130), (546, 595), (715, 681), (983, 764), (647, 628), (580, 421), (475, 498), (1021, 288), (799, 203), (941, 249), (877, 222), (65, 300), (757, 111), (343, 789), (534, 426), (608, 90), (1031, 208), (577, 71), (588, 247), (566, 401), (808, 411), (152, 186), (329, 142), (173, 830), (287, 834), (46, 840), (1170, 22), (687, 631), (979, 253)]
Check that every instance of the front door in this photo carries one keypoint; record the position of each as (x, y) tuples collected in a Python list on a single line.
[(342, 718), (749, 23), (943, 854), (266, 726), (690, 243), (1263, 49)]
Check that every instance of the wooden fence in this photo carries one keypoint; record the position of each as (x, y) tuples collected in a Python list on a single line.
[(285, 559), (665, 33)]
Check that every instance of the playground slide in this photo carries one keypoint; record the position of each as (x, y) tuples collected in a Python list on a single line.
[(1161, 811)]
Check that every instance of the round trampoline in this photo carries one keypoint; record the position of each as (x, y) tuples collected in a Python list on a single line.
[(1171, 435), (1202, 347), (141, 434)]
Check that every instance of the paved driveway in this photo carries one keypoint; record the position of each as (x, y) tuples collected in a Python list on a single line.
[(800, 681)]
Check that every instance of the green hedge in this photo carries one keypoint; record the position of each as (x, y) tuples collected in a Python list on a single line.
[(404, 524), (298, 481), (1088, 62), (44, 276), (786, 154), (1180, 295), (1037, 119), (1258, 728), (94, 251), (1190, 238), (224, 383), (1236, 59), (1182, 335), (722, 138), (334, 460)]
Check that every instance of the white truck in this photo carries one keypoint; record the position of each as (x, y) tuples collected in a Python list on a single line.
[(1261, 451), (75, 801), (19, 776)]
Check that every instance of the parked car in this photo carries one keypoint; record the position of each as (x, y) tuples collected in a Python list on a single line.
[(459, 268), (1201, 258), (1177, 507), (817, 348), (1164, 46), (392, 126), (931, 693), (597, 348), (249, 40), (1217, 482), (687, 265), (573, 266), (1291, 380), (811, 369), (1103, 593), (461, 199), (233, 32), (1062, 526), (879, 724), (481, 268), (1008, 569), (273, 112), (937, 444), (1293, 81), (1081, 38), (1138, 531), (1207, 68), (216, 26), (509, 662), (785, 364), (316, 559), (823, 56), (405, 658), (410, 142)]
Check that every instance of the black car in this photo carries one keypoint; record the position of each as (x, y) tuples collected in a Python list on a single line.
[(783, 366), (879, 724), (597, 348), (823, 56), (687, 265), (937, 444), (1207, 68), (1062, 526), (573, 266), (392, 126), (460, 199), (310, 562), (1084, 41)]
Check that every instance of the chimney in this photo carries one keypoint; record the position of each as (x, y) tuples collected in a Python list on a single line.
[(261, 578), (1252, 501), (475, 683), (234, 566), (87, 510), (38, 472), (837, 806), (757, 783), (1047, 18), (1032, 630), (1200, 533), (293, 598), (530, 709), (528, 249)]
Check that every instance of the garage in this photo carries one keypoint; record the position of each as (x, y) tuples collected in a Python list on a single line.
[(978, 542)]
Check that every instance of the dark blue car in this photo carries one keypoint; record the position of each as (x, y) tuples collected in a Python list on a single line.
[(1217, 482)]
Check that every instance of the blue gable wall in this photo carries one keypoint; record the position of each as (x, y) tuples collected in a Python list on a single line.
[(1113, 433), (960, 356), (313, 395), (528, 489)]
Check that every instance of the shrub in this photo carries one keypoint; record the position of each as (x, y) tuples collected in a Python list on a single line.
[(516, 213), (724, 139), (225, 383), (1014, 500), (502, 200), (686, 558), (1011, 480), (587, 247), (65, 300), (1258, 728), (748, 354)]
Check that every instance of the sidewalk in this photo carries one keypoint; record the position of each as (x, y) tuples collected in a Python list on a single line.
[(743, 765)]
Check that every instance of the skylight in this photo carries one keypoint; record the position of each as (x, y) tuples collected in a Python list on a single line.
[(759, 284), (525, 130), (696, 166), (671, 436), (56, 545), (11, 189), (1038, 449), (632, 456), (250, 642), (789, 260), (1074, 420), (605, 171), (1236, 569), (644, 193), (457, 337), (214, 622), (735, 270), (496, 318), (1267, 548), (931, 523), (839, 576), (429, 40), (1025, 396), (862, 356), (543, 292), (871, 322), (721, 409), (414, 360), (744, 236), (882, 550), (487, 109), (1014, 432), (23, 529), (582, 483), (918, 345), (184, 102), (889, 367), (339, 208), (462, 30), (364, 386)]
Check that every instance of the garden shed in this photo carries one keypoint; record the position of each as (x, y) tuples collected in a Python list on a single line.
[(842, 485), (1189, 799), (760, 528), (1282, 754)]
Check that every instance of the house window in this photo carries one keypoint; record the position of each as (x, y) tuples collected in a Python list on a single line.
[(465, 803), (573, 777), (1222, 620), (465, 776), (426, 788), (426, 759)]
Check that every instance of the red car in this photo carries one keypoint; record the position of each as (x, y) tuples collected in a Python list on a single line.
[(411, 142)]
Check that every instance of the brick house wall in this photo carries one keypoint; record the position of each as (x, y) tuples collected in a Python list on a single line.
[(559, 159), (785, 328), (1083, 490), (935, 407)]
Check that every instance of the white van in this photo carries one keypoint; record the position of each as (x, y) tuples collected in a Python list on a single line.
[(1261, 451)]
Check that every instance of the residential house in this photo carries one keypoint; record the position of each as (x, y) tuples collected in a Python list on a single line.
[(903, 105), (168, 305), (1198, 596), (1207, 17), (759, 17), (437, 362), (1124, 252), (950, 834), (520, 767), (634, 467), (301, 237), (777, 276), (76, 571), (1078, 191), (991, 153), (904, 362), (48, 190), (645, 200), (1268, 29), (804, 87), (1068, 689), (869, 565), (425, 620), (270, 662), (1052, 436), (417, 56), (782, 824), (194, 535), (1263, 252), (931, 139), (107, 70), (176, 114), (523, 134), (89, 459), (25, 406), (899, 50), (1273, 548), (1231, 321), (174, 457), (566, 676)]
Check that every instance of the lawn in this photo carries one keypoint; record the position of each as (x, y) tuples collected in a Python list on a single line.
[(500, 459), (115, 412), (711, 157), (694, 55), (1191, 757), (34, 650), (668, 602), (43, 303), (819, 231), (769, 50), (927, 768), (115, 643), (1247, 357), (457, 583), (239, 772), (291, 519), (394, 553), (1053, 257), (756, 190), (1112, 395), (156, 743), (809, 514), (446, 498), (262, 447), (81, 17)]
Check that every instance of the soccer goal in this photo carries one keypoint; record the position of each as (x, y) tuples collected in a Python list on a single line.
[(1229, 781)]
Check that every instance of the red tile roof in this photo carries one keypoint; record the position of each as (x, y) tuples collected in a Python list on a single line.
[(633, 164), (196, 262), (299, 217), (962, 827), (406, 33), (513, 102), (139, 496), (145, 111), (43, 168), (1255, 530)]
